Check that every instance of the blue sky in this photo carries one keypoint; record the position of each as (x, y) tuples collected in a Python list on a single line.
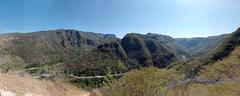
[(177, 18)]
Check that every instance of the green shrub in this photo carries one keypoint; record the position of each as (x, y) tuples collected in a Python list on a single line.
[(143, 82), (11, 63)]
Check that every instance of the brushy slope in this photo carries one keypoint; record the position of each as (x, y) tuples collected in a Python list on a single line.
[(223, 70), (221, 78), (217, 74), (144, 82), (191, 67), (227, 89)]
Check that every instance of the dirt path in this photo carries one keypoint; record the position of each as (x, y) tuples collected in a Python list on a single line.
[(90, 77)]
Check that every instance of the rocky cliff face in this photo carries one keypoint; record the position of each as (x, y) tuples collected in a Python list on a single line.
[(145, 50), (113, 47)]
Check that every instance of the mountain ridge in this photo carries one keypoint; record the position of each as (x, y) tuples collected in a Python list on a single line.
[(134, 50)]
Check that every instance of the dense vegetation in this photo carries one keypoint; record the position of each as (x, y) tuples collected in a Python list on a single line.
[(95, 63), (144, 82)]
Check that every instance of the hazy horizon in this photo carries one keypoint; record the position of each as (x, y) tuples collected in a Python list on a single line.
[(175, 18)]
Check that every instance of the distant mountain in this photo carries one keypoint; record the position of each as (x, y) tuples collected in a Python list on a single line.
[(89, 52), (225, 55), (73, 47), (199, 45)]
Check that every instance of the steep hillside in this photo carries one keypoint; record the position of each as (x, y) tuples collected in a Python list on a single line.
[(57, 45), (216, 74), (200, 45), (133, 51), (228, 45), (225, 70), (52, 46), (225, 61), (151, 49), (162, 82), (136, 50), (192, 67), (113, 47), (87, 52)]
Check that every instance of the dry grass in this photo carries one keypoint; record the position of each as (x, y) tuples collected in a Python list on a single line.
[(144, 82), (224, 73), (22, 86), (11, 63), (227, 89), (223, 70)]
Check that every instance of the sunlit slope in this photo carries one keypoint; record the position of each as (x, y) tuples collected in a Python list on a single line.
[(226, 50), (226, 69), (15, 85)]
